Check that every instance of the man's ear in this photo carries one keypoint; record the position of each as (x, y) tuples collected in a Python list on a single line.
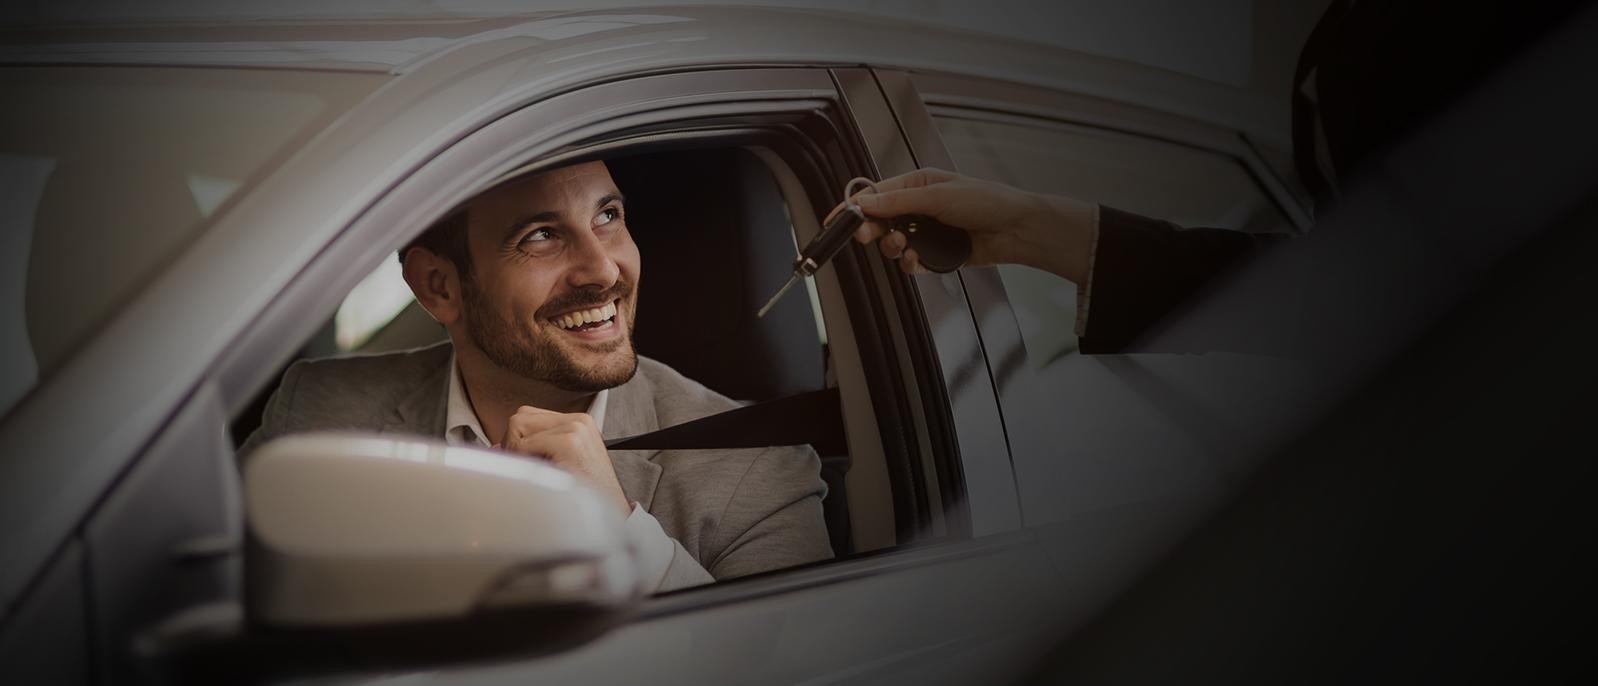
[(435, 282)]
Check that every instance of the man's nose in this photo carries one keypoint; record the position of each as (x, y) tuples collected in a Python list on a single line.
[(592, 265)]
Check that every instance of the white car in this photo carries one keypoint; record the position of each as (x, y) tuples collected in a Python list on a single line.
[(187, 208)]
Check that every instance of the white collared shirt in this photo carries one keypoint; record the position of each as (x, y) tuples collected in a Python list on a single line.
[(654, 547), (460, 420)]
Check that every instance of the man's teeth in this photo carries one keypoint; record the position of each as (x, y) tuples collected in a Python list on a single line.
[(572, 320)]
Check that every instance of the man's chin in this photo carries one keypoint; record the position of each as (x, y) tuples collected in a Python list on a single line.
[(613, 369)]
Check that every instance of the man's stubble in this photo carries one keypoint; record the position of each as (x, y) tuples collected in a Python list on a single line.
[(511, 345)]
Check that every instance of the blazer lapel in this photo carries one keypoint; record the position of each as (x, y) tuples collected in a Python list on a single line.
[(424, 411), (629, 411)]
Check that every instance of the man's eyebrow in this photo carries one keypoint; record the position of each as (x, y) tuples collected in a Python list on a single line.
[(524, 220), (551, 215)]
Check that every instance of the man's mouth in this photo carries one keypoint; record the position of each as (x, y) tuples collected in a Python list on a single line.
[(583, 320)]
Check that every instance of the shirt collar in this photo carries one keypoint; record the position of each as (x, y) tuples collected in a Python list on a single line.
[(460, 420)]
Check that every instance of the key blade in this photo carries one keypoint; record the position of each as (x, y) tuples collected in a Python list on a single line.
[(773, 301)]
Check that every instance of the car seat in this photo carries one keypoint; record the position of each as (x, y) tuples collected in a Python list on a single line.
[(716, 239)]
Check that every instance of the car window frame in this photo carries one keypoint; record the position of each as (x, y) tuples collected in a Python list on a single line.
[(544, 134), (978, 483), (939, 94)]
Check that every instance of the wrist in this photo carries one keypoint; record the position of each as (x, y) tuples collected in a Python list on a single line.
[(1062, 232)]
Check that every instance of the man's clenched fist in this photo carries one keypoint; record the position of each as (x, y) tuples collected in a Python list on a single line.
[(571, 441)]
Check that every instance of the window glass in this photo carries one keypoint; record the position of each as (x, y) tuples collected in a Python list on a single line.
[(1185, 185), (1109, 438), (375, 302), (106, 173)]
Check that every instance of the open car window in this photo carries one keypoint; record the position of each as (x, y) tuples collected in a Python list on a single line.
[(713, 244)]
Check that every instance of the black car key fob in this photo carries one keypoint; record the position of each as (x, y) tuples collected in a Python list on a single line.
[(939, 247)]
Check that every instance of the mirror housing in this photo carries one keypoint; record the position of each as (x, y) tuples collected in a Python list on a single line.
[(368, 553), (353, 530)]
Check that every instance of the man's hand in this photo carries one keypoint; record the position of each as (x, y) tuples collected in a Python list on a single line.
[(1006, 224), (571, 441)]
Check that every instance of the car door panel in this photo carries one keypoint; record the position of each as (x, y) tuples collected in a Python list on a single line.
[(937, 614), (168, 538), (45, 640)]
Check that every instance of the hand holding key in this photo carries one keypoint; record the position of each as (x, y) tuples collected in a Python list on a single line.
[(1005, 224), (941, 247)]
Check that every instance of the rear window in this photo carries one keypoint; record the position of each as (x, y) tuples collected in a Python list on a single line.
[(106, 173)]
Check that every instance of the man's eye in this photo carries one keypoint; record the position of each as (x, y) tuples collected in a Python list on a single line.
[(609, 215), (537, 235)]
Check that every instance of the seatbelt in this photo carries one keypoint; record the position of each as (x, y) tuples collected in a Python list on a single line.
[(813, 417)]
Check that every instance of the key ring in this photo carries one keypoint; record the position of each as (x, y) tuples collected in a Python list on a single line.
[(848, 192), (849, 188), (941, 248)]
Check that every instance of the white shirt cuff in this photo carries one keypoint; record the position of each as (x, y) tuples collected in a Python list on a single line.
[(654, 546)]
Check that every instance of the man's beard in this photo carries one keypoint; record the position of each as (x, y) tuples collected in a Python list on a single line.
[(513, 347)]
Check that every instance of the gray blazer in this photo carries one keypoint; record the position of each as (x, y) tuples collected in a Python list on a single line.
[(729, 512)]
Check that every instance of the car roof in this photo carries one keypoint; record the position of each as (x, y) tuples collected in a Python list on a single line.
[(654, 39)]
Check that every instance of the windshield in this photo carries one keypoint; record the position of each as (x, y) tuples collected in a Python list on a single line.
[(107, 172)]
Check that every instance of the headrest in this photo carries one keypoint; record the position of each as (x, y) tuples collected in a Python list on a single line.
[(715, 241)]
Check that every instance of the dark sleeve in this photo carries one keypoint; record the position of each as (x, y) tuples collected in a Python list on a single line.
[(1144, 268)]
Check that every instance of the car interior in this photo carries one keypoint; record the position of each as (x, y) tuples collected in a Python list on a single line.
[(717, 239)]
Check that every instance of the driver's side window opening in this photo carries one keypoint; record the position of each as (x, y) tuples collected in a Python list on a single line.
[(715, 233)]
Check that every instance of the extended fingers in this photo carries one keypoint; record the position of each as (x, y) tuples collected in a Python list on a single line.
[(870, 231), (896, 246), (910, 262), (893, 245), (932, 202), (916, 179)]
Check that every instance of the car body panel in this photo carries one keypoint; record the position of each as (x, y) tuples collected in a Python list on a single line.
[(889, 619)]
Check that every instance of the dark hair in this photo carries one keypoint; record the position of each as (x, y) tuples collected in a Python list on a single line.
[(446, 238)]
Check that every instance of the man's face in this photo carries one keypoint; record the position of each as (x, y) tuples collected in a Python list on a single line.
[(555, 277)]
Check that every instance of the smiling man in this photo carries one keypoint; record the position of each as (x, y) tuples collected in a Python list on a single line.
[(536, 283)]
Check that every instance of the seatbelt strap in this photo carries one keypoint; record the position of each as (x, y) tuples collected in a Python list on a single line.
[(813, 417)]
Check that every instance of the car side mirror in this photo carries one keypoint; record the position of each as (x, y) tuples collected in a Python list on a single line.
[(350, 530), (376, 553)]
